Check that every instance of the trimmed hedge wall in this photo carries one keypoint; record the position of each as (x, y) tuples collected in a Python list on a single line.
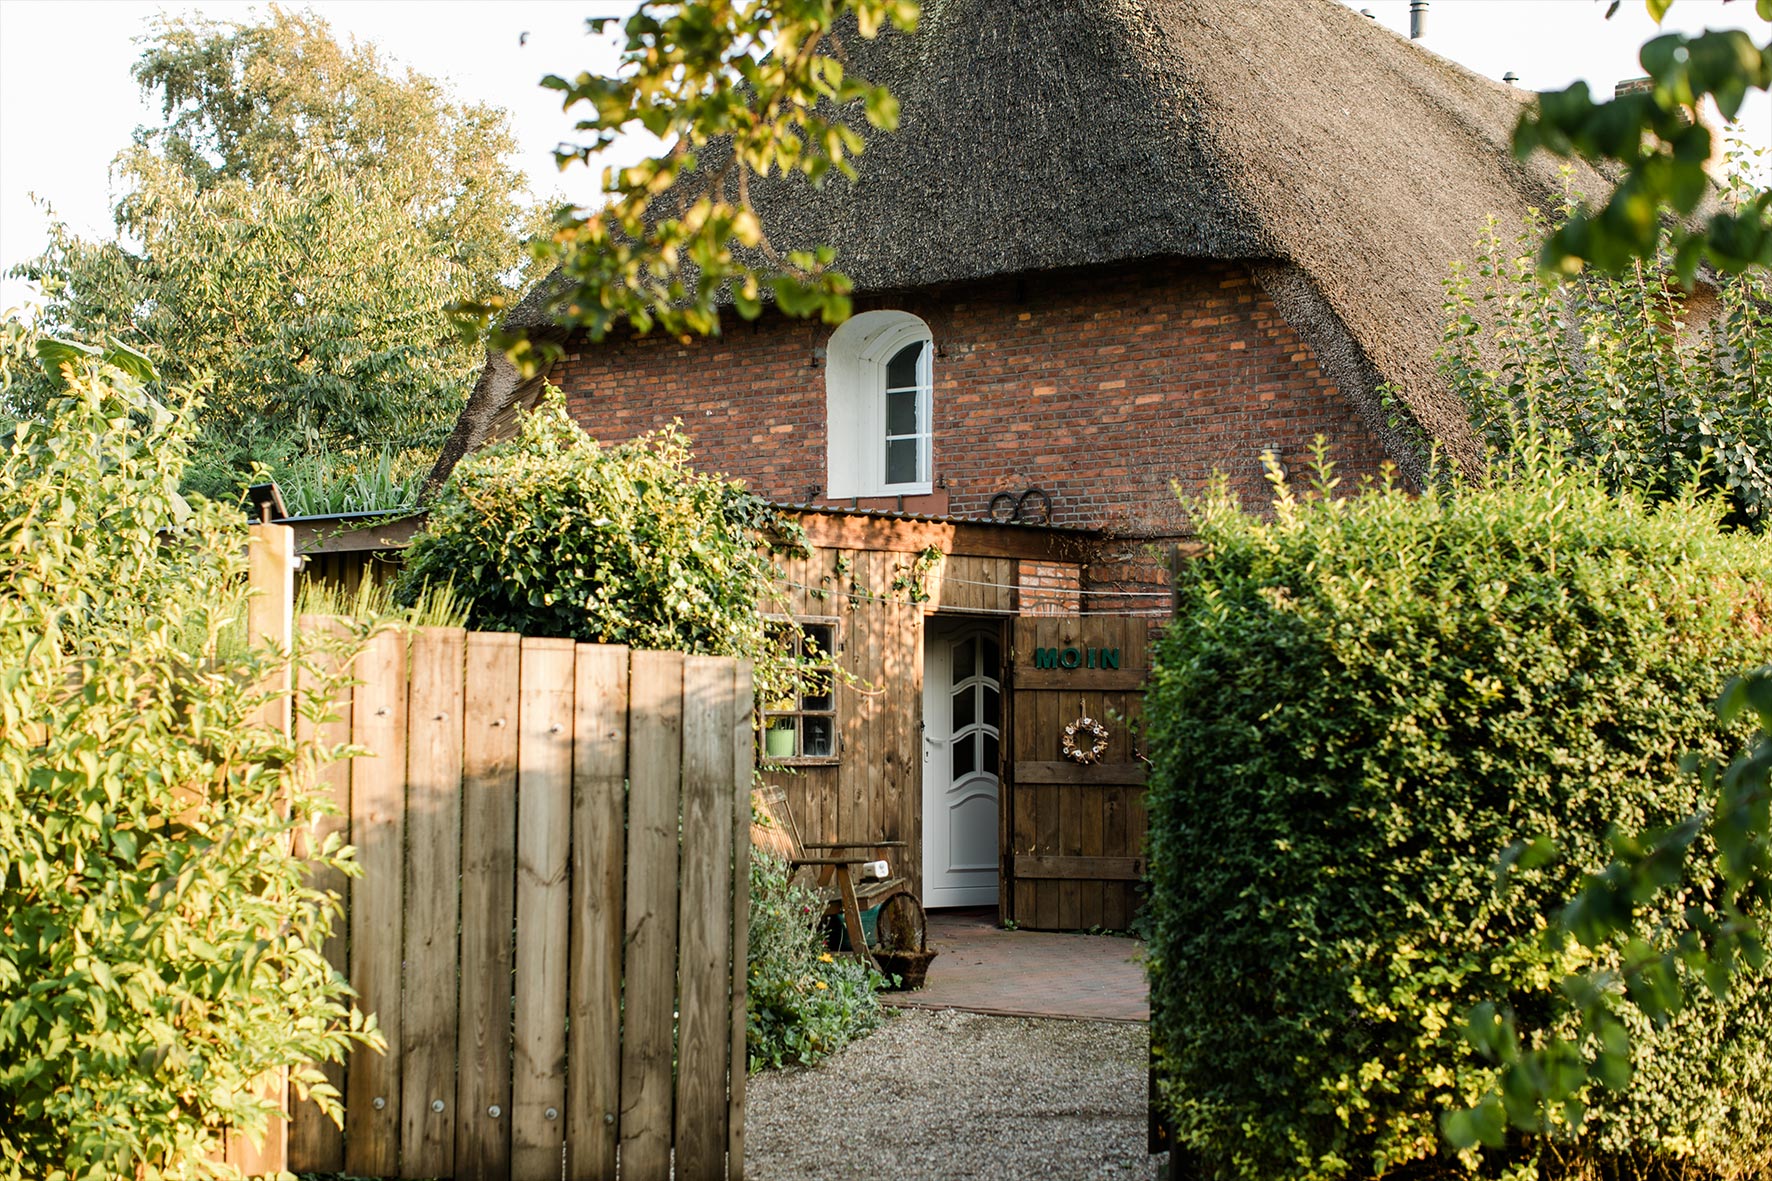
[(1359, 705)]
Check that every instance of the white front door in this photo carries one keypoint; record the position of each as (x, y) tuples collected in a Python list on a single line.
[(962, 727)]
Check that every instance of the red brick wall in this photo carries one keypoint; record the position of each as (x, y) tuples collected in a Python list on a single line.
[(1049, 588), (1100, 387)]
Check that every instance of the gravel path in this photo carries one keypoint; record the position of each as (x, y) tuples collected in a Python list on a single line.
[(938, 1095)]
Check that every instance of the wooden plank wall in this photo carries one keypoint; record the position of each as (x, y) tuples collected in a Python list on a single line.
[(349, 570), (1077, 832), (874, 792), (312, 1137), (518, 898), (966, 585)]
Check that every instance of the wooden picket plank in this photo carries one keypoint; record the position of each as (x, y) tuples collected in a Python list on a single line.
[(488, 907), (502, 763), (378, 830), (270, 623), (704, 930), (544, 831), (316, 1144), (599, 845), (744, 760), (433, 831), (655, 730)]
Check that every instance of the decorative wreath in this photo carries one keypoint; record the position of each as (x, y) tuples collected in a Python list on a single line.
[(1094, 744)]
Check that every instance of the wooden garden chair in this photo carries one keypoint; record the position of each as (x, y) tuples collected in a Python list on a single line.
[(834, 869)]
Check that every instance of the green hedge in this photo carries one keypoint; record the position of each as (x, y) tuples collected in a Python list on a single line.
[(1359, 705)]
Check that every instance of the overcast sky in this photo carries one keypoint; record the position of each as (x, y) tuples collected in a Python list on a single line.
[(68, 104)]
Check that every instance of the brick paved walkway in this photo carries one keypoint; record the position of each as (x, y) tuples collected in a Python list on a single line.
[(984, 969)]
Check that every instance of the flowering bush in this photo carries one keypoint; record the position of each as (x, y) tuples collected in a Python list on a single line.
[(804, 1002)]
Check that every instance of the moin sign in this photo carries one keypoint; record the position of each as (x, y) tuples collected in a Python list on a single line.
[(1076, 658)]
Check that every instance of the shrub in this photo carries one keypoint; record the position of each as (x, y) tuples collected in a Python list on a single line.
[(804, 1002), (1656, 388), (1359, 705), (159, 948), (554, 534)]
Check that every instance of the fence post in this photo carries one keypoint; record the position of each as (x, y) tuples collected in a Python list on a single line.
[(270, 622), (744, 755), (270, 612)]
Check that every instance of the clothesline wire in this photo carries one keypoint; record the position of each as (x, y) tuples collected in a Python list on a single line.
[(872, 599), (1040, 590), (1060, 590)]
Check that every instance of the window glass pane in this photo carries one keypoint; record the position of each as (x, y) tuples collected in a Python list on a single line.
[(964, 761), (901, 371), (964, 714), (989, 652), (901, 461), (963, 660), (990, 753), (815, 692), (817, 641), (991, 707), (819, 736), (901, 413)]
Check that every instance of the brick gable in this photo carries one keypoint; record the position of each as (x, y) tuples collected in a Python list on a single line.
[(1100, 387)]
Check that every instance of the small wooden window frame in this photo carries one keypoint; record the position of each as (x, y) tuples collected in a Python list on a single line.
[(771, 716)]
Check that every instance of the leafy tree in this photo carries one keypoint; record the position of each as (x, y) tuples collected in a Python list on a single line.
[(289, 241), (159, 943), (734, 91), (276, 100), (1659, 147), (1659, 389)]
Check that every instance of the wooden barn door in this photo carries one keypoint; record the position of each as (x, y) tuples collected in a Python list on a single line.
[(1074, 831)]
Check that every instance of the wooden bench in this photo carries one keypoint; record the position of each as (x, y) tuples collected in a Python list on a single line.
[(832, 869)]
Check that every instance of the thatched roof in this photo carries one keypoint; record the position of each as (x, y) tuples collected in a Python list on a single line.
[(1350, 165)]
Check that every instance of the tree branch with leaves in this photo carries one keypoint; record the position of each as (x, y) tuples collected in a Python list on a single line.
[(1659, 147), (734, 91)]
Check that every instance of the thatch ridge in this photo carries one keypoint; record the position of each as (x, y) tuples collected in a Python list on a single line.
[(1347, 164)]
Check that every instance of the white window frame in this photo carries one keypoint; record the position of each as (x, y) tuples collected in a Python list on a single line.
[(855, 405)]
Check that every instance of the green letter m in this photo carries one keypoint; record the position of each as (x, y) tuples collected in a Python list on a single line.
[(1045, 657)]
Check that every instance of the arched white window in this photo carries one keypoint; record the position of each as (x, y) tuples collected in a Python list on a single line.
[(879, 379)]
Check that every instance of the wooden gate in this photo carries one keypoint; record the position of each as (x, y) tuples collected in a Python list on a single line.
[(1074, 832), (551, 921)]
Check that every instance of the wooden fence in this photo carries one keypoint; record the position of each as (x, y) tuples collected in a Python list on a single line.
[(550, 924)]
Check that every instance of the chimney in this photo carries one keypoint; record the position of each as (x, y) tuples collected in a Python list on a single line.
[(1417, 19)]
